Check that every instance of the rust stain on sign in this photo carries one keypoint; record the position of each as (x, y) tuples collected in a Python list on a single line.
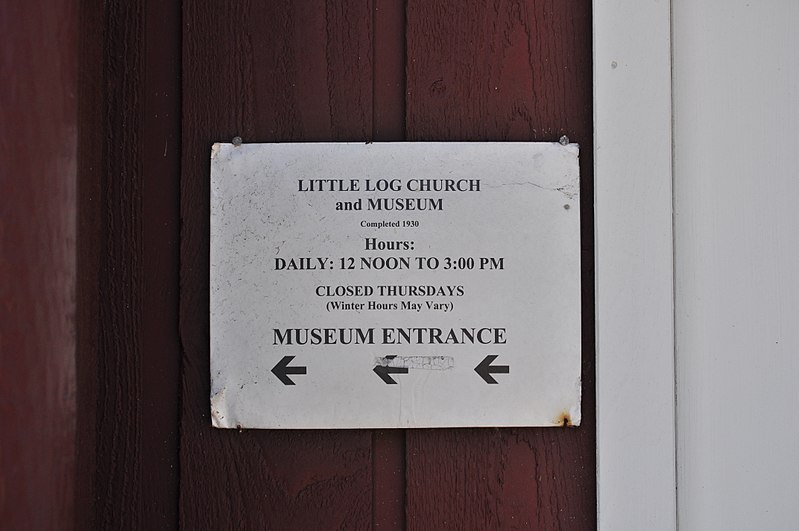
[(565, 420)]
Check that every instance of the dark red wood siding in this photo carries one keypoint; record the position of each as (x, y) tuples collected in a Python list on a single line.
[(498, 70), (128, 361), (174, 78), (38, 174), (284, 71)]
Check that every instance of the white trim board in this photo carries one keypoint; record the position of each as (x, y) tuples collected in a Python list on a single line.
[(634, 266), (736, 130)]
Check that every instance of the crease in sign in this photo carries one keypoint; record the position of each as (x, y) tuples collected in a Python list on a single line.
[(575, 412), (215, 150), (571, 416), (219, 409), (430, 363), (570, 190)]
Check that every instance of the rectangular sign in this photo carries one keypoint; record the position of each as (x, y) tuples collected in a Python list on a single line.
[(395, 285)]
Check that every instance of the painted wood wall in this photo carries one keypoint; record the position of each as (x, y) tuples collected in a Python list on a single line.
[(736, 186), (168, 79), (636, 471), (146, 457), (38, 176)]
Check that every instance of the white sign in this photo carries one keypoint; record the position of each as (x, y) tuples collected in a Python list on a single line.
[(395, 285)]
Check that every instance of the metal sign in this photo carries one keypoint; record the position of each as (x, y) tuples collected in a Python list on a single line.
[(395, 285)]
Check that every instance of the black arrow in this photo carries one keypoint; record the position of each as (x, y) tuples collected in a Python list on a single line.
[(485, 370), (282, 370), (385, 372)]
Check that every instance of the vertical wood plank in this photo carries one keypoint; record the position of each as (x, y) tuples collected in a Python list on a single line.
[(389, 71), (264, 71), (506, 70), (91, 137), (38, 171), (160, 211), (635, 265), (119, 371), (129, 348)]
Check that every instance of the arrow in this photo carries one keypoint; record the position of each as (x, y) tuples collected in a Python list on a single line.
[(485, 369), (385, 372), (282, 370)]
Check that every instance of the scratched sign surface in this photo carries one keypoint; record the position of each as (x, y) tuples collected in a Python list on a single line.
[(395, 285)]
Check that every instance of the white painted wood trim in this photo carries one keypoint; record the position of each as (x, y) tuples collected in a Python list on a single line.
[(634, 266), (736, 132)]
